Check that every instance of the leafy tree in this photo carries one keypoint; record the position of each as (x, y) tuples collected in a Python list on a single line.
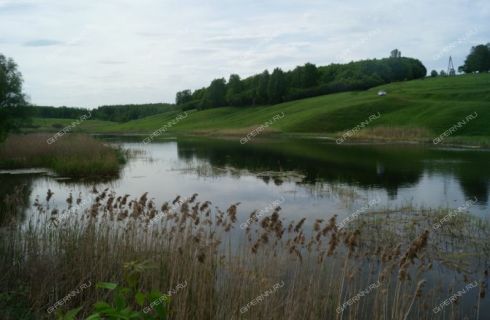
[(215, 94), (433, 73), (395, 53), (294, 77), (198, 94), (262, 91), (443, 73), (306, 76), (234, 90), (183, 97), (478, 59), (12, 100), (277, 86), (329, 73), (309, 76)]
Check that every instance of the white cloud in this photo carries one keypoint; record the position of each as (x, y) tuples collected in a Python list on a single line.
[(89, 53)]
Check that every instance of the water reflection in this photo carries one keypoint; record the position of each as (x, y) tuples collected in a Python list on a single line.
[(316, 179), (15, 191), (385, 167)]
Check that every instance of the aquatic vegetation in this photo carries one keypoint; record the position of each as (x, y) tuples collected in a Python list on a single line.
[(73, 155), (324, 269)]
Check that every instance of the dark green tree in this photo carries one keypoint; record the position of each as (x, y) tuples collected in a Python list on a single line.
[(277, 86), (234, 89), (309, 76), (215, 95), (329, 73), (304, 76), (262, 91), (395, 53), (12, 99), (433, 73), (295, 76), (198, 94), (183, 97), (478, 59)]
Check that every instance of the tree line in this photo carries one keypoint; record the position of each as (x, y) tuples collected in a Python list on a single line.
[(478, 60), (115, 113), (302, 82)]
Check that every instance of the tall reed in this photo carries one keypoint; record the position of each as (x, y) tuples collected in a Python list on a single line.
[(72, 155), (384, 265)]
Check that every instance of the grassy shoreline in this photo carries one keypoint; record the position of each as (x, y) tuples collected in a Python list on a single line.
[(73, 155), (362, 138), (451, 142)]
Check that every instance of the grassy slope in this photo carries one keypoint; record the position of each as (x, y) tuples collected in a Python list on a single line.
[(432, 104)]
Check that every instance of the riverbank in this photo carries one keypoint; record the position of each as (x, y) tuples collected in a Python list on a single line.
[(447, 110), (452, 142)]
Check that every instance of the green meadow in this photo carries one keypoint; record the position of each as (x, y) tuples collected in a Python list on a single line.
[(425, 108)]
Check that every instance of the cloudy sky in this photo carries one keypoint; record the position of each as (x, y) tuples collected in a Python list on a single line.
[(89, 53)]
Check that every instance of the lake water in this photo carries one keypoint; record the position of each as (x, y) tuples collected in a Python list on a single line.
[(308, 178)]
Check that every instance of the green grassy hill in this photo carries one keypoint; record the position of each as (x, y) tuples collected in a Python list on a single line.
[(428, 107)]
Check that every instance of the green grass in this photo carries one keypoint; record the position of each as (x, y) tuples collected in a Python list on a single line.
[(432, 105)]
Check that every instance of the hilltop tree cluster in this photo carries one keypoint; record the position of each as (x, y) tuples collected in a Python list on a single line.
[(478, 60), (302, 82)]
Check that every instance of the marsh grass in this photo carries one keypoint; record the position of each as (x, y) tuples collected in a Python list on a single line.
[(384, 133), (72, 155), (226, 268)]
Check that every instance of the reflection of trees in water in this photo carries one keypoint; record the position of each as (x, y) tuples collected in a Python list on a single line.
[(203, 168), (15, 191), (469, 168), (387, 167), (475, 188)]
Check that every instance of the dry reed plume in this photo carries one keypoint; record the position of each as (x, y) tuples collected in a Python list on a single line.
[(225, 267)]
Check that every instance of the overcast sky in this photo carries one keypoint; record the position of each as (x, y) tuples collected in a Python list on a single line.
[(89, 53)]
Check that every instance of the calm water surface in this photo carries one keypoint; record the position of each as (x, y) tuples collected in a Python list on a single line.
[(309, 178)]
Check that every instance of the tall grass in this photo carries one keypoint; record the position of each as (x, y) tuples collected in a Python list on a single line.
[(393, 134), (72, 155), (226, 269)]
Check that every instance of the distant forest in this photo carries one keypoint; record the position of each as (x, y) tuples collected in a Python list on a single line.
[(302, 82), (116, 113)]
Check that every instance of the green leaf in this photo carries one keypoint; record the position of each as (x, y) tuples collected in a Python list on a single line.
[(125, 291), (70, 315), (102, 306), (94, 316), (107, 285), (140, 298), (119, 301)]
